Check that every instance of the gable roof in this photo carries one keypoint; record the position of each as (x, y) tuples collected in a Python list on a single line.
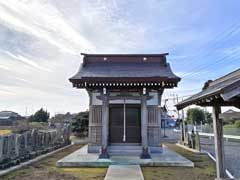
[(125, 68), (224, 88)]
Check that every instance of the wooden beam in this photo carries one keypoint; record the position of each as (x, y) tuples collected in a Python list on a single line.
[(218, 141), (125, 97), (219, 102)]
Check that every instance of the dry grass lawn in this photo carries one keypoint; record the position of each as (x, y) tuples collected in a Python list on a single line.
[(4, 132)]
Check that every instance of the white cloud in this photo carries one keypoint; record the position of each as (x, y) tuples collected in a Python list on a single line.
[(27, 61), (43, 21), (4, 67), (8, 93), (40, 43)]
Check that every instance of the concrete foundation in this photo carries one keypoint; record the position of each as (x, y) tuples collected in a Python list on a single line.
[(81, 158)]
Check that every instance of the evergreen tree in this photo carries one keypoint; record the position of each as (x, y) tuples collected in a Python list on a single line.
[(196, 116), (80, 123), (40, 116)]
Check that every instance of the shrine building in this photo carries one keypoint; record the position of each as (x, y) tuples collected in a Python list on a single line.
[(125, 92)]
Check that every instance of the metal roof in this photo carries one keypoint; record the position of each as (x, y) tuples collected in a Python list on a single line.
[(226, 88), (125, 68)]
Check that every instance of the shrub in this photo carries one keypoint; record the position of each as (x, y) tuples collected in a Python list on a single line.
[(237, 123)]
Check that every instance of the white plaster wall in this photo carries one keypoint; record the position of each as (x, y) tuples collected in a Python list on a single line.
[(96, 101), (154, 100)]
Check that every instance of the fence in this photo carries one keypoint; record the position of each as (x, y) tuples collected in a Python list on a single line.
[(206, 128)]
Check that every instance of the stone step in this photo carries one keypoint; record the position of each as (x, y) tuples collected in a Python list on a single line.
[(124, 147), (127, 153), (124, 150)]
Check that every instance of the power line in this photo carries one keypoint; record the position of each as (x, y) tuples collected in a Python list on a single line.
[(227, 36), (219, 37), (213, 63)]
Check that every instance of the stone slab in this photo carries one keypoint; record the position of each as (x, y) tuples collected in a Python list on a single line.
[(81, 158), (124, 172)]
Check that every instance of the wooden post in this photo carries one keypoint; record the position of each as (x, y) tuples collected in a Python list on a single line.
[(159, 114), (218, 141), (144, 118), (105, 114), (90, 117)]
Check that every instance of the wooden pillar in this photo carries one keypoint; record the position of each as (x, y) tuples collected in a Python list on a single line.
[(159, 115), (144, 119), (105, 124), (90, 117), (219, 142)]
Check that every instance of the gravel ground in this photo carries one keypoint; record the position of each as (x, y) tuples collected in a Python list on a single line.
[(232, 154)]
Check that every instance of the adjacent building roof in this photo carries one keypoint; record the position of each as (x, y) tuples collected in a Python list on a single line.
[(5, 115), (222, 91), (124, 69)]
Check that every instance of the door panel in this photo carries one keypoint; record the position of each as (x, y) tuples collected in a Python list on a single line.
[(116, 124), (133, 124)]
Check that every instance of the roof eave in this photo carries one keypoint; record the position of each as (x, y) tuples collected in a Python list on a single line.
[(196, 100)]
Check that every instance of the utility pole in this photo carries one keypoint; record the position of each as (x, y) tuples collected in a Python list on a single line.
[(26, 111), (177, 110), (183, 113)]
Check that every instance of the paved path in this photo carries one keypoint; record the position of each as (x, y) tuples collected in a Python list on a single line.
[(124, 172), (232, 154)]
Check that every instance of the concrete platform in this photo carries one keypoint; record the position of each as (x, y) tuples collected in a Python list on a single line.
[(81, 158), (124, 172)]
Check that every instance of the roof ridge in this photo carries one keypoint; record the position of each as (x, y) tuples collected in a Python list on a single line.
[(160, 54)]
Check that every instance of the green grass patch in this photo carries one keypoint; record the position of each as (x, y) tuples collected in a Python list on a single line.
[(231, 131), (204, 168), (229, 126)]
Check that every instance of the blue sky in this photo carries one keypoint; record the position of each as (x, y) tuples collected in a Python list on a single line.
[(41, 42)]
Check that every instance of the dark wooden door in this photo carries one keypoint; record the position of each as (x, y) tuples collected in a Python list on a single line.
[(133, 124), (116, 123)]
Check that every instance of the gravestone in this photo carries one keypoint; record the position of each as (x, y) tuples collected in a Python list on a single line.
[(22, 146), (34, 134), (5, 147), (11, 146), (29, 141), (1, 148)]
